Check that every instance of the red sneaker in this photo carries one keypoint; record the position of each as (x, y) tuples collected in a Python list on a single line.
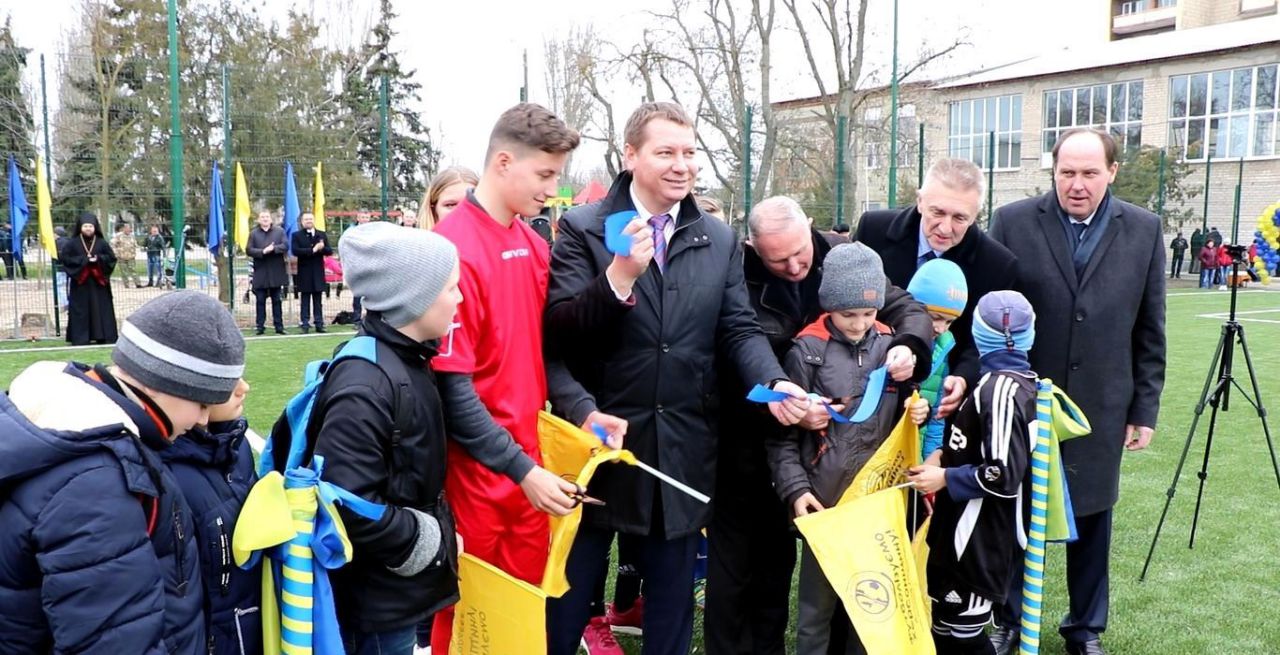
[(630, 622), (597, 639)]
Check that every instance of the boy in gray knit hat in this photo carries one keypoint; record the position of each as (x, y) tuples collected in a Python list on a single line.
[(834, 358), (400, 575), (115, 567)]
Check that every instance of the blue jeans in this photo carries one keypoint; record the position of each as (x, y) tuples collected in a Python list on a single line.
[(392, 642), (155, 273), (1206, 277)]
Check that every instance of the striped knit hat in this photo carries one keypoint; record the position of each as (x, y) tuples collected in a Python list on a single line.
[(184, 344), (941, 287)]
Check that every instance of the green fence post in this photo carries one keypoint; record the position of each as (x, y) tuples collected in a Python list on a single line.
[(746, 164), (1208, 164), (991, 174), (841, 129), (920, 159), (175, 153), (48, 176), (226, 177), (382, 159)]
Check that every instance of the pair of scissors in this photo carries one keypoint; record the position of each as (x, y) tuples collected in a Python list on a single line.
[(580, 497)]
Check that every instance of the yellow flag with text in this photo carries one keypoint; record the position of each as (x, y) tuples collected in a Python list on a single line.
[(496, 614), (242, 209), (866, 554), (573, 455), (888, 466), (317, 205)]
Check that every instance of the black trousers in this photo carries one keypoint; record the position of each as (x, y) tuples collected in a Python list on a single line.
[(312, 304), (667, 568), (628, 584), (751, 553), (1176, 269), (9, 265), (277, 316), (1088, 582)]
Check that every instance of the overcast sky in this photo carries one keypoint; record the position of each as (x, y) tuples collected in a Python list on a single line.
[(467, 52)]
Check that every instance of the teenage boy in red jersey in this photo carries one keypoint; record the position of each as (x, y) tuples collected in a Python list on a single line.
[(496, 346)]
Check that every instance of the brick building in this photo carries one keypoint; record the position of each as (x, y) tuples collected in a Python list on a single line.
[(1198, 77)]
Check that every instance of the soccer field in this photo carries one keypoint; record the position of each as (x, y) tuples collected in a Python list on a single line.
[(1218, 598)]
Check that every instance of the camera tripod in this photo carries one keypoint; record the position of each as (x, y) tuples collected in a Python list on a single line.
[(1218, 395)]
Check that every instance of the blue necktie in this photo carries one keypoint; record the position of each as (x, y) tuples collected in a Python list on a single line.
[(659, 224), (925, 258), (1079, 228)]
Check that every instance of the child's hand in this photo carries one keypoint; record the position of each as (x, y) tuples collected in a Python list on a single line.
[(919, 410), (934, 458), (927, 478), (806, 505)]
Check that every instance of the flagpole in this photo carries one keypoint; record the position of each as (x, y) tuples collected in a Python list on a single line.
[(48, 181)]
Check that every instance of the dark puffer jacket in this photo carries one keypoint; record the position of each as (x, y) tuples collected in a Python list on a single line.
[(214, 467), (80, 489), (824, 361)]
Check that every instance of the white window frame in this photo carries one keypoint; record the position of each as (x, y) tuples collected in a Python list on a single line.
[(963, 133), (1051, 130), (1235, 124)]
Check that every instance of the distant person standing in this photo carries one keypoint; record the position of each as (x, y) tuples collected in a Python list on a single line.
[(89, 261), (310, 246), (1197, 243), (266, 247), (155, 246), (126, 248), (11, 259), (1179, 247)]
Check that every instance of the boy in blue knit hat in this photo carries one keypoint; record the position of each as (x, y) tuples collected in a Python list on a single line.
[(983, 487), (941, 287)]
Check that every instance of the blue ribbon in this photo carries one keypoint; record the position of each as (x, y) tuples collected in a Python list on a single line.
[(614, 240), (871, 397), (762, 394)]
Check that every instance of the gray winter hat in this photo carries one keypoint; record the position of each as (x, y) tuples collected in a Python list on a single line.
[(852, 278), (184, 344), (399, 271)]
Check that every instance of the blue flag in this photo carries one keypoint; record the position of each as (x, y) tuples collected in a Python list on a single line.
[(216, 210), (18, 210), (291, 209)]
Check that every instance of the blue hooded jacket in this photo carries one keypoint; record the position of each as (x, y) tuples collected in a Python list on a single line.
[(214, 467), (96, 550)]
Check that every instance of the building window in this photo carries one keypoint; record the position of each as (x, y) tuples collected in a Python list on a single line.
[(873, 155), (1116, 108), (871, 205), (972, 122), (1231, 113), (1165, 4)]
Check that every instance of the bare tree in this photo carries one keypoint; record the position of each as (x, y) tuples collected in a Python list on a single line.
[(569, 79), (721, 50)]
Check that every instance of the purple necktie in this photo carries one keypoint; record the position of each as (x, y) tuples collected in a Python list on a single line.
[(659, 224)]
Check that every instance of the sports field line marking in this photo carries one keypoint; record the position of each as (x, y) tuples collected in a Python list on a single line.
[(52, 349)]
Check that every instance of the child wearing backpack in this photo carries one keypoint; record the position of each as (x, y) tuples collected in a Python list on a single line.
[(380, 428), (213, 464), (834, 357), (941, 287), (983, 487), (98, 544)]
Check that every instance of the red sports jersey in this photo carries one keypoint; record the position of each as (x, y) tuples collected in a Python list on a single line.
[(497, 335)]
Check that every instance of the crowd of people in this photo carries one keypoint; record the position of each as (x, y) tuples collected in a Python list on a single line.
[(118, 516)]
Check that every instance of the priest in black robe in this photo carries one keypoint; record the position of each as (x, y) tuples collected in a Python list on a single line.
[(88, 261)]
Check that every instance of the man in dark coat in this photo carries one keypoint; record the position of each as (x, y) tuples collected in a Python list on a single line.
[(88, 261), (941, 225), (310, 246), (751, 547), (641, 333), (267, 248), (1092, 266), (1197, 242), (1179, 248)]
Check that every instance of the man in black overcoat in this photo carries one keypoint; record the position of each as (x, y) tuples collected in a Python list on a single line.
[(310, 246), (267, 248)]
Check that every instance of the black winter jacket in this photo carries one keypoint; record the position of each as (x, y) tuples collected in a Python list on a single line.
[(214, 467), (353, 424), (744, 426), (97, 551), (825, 462), (651, 359)]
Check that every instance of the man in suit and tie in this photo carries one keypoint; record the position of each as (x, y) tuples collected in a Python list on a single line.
[(310, 246), (1092, 266), (941, 224)]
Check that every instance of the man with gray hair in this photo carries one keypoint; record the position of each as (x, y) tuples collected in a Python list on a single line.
[(941, 225), (751, 549)]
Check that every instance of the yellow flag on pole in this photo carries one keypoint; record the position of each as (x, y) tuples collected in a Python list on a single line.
[(888, 466), (44, 214), (864, 551), (242, 209), (573, 455), (497, 614), (317, 206)]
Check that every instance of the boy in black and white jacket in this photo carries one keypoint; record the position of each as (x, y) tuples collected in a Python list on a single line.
[(983, 485)]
